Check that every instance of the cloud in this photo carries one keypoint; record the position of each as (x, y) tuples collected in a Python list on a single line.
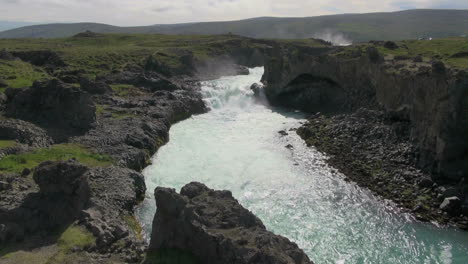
[(145, 12)]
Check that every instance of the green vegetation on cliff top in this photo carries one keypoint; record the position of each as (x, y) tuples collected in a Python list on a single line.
[(110, 52), (18, 162), (452, 51)]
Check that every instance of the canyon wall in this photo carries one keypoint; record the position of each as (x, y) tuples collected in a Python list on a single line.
[(431, 96)]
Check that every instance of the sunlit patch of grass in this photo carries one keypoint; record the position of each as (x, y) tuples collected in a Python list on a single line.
[(7, 143), (18, 74), (18, 162), (126, 90)]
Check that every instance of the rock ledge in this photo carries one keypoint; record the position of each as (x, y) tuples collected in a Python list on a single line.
[(214, 227)]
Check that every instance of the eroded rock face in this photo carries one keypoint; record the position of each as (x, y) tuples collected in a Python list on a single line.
[(24, 132), (63, 192), (47, 58), (52, 104), (213, 226), (434, 97), (94, 87)]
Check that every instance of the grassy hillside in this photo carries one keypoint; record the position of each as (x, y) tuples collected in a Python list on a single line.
[(401, 25), (105, 53)]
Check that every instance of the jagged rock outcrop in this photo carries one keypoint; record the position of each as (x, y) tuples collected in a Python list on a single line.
[(63, 192), (94, 87), (46, 58), (24, 132), (214, 227), (52, 104)]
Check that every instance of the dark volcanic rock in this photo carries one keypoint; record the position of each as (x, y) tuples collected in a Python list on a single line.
[(46, 58), (95, 87), (24, 132), (63, 177), (52, 104), (256, 88), (5, 55), (3, 84), (63, 192), (451, 205), (213, 226), (373, 148), (390, 45)]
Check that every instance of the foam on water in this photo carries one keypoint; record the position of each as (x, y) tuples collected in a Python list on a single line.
[(237, 146)]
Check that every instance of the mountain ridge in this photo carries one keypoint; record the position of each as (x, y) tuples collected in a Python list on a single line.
[(399, 25)]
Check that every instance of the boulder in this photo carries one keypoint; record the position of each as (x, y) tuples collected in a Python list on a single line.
[(61, 177), (390, 45), (214, 227), (5, 55), (438, 67), (53, 104), (63, 193), (451, 205), (374, 55), (418, 58), (96, 87), (24, 132), (256, 88), (46, 58), (3, 83)]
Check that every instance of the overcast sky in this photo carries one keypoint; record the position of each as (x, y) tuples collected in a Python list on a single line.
[(147, 12)]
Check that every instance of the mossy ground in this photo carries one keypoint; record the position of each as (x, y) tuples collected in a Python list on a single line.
[(170, 256), (16, 163), (18, 74), (126, 90), (110, 52), (7, 143), (452, 51), (68, 248)]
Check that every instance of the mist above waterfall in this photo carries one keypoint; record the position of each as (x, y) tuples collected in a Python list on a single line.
[(336, 38)]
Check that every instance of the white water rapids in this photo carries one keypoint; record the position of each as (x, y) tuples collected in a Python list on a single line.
[(236, 146)]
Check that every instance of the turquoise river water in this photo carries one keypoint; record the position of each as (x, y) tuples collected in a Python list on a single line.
[(236, 146)]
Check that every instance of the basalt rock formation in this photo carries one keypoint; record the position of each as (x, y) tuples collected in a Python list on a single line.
[(427, 97), (52, 104), (214, 227), (63, 191)]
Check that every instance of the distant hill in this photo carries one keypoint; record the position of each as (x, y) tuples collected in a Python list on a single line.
[(409, 24), (7, 25)]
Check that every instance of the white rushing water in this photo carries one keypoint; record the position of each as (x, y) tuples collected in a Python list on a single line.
[(236, 146)]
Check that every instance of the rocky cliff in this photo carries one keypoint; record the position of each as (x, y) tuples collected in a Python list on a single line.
[(432, 97), (412, 117), (215, 228)]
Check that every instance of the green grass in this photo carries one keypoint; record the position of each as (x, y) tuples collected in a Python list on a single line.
[(134, 225), (16, 163), (442, 49), (170, 256), (110, 52), (18, 74), (73, 238), (125, 90), (7, 143)]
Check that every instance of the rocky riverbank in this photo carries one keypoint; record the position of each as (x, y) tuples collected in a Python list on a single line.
[(72, 144), (393, 123), (113, 134)]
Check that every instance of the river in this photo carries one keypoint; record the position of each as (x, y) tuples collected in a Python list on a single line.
[(236, 146)]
